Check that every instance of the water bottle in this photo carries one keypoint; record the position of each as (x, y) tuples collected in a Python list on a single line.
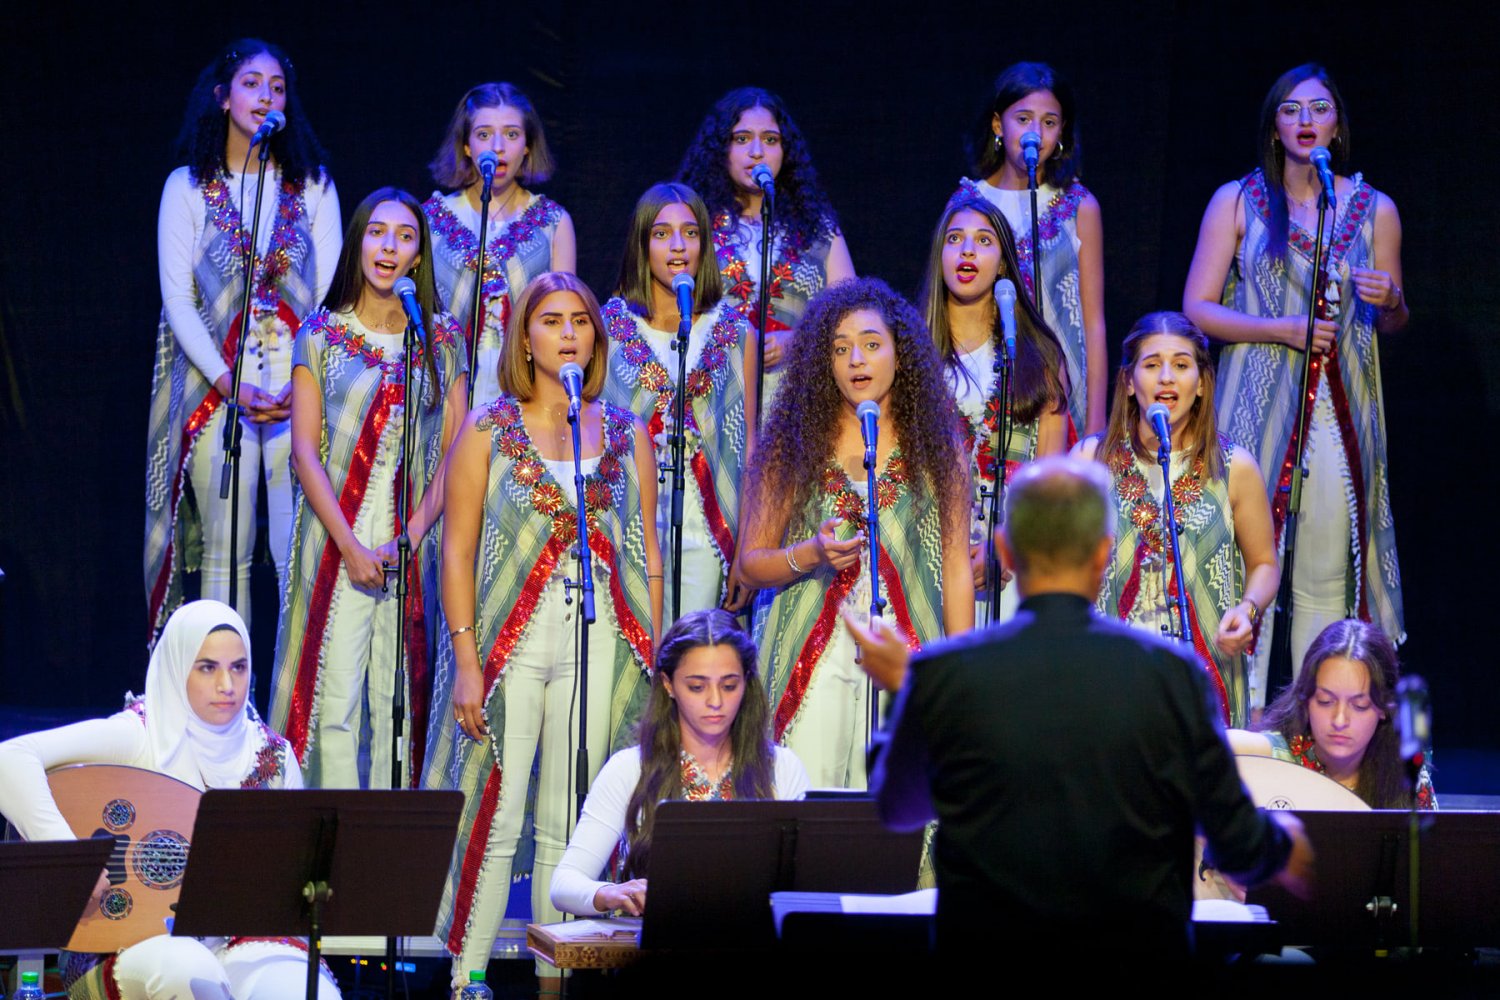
[(476, 990), (30, 988)]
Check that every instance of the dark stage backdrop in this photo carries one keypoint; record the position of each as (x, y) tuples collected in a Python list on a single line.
[(1168, 95)]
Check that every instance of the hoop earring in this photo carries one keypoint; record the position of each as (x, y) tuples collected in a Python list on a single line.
[(1058, 152)]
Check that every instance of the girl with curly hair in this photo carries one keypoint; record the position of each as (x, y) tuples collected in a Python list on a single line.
[(1338, 718), (1228, 560), (336, 652), (202, 240), (1033, 97), (507, 675), (527, 233), (750, 127), (804, 539), (972, 249), (1251, 286), (706, 735), (669, 235)]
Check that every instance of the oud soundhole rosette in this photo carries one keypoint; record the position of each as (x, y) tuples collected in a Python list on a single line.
[(159, 859), (115, 904), (118, 814)]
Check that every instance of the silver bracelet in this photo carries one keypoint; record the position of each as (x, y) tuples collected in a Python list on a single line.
[(460, 631), (791, 560)]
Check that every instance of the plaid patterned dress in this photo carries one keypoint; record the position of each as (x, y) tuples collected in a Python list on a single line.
[(1259, 384), (182, 402), (528, 526), (363, 396)]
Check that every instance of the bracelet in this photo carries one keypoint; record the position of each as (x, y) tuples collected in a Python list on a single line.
[(655, 576), (791, 560), (1400, 300), (1254, 609), (454, 634)]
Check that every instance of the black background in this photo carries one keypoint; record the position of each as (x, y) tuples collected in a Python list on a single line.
[(1167, 95)]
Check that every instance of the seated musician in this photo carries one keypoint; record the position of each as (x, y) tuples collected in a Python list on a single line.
[(705, 735), (1338, 718), (193, 724)]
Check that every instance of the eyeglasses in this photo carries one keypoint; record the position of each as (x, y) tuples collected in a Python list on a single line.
[(1319, 111)]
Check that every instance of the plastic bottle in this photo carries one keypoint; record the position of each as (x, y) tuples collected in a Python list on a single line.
[(30, 988), (476, 990)]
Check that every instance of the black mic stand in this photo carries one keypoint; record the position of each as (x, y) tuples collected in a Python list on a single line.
[(763, 297), (585, 586), (413, 343), (678, 442), (1002, 371), (1279, 668), (229, 475), (1169, 529), (478, 305), (877, 603), (1036, 243)]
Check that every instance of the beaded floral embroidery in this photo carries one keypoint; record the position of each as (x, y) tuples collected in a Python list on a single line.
[(539, 215), (848, 504), (354, 344), (1135, 494), (739, 283), (697, 786), (652, 374), (274, 265)]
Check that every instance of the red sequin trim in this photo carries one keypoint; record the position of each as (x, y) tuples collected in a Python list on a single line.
[(630, 626), (468, 879), (718, 526), (812, 649)]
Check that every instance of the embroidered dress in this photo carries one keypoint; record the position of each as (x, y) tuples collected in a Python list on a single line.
[(363, 395), (976, 388), (1304, 751), (1259, 383), (516, 254), (642, 375), (529, 525), (1062, 307), (798, 272), (1133, 588), (182, 400), (804, 648)]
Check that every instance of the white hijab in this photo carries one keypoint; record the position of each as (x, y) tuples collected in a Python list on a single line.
[(183, 745)]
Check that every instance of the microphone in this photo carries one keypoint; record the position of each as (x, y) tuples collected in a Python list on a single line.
[(868, 413), (406, 290), (1323, 162), (1161, 422), (1005, 298), (572, 382), (488, 161), (1413, 716), (274, 122), (1031, 150), (761, 175), (682, 284)]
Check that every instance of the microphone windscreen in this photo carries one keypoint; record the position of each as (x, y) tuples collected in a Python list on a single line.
[(1320, 157), (1005, 293), (404, 286), (869, 409), (1158, 411), (276, 120), (682, 281), (489, 161)]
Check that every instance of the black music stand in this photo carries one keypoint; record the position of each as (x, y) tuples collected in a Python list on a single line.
[(322, 862), (45, 886), (1362, 895), (714, 866)]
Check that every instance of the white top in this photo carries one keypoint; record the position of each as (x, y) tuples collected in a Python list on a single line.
[(603, 824), (971, 385), (1015, 205), (179, 230)]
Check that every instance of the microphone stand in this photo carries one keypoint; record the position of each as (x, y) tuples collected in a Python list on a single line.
[(1279, 668), (877, 603), (411, 345), (1036, 242), (478, 305), (1169, 528), (763, 303), (678, 444), (229, 475), (585, 586), (1002, 370)]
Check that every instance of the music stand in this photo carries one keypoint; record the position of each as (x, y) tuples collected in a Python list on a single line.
[(324, 862), (714, 866), (46, 886), (1362, 894)]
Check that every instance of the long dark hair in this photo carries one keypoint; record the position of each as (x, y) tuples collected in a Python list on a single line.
[(1202, 427), (349, 276), (1014, 83), (205, 125), (1382, 781), (634, 283), (754, 761), (1272, 155), (1037, 383), (801, 430), (803, 212)]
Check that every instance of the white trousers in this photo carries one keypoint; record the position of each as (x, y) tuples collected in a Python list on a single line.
[(702, 572), (175, 968), (832, 728), (541, 711), (265, 451)]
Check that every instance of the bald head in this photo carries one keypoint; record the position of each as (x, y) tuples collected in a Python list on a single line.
[(1058, 515)]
